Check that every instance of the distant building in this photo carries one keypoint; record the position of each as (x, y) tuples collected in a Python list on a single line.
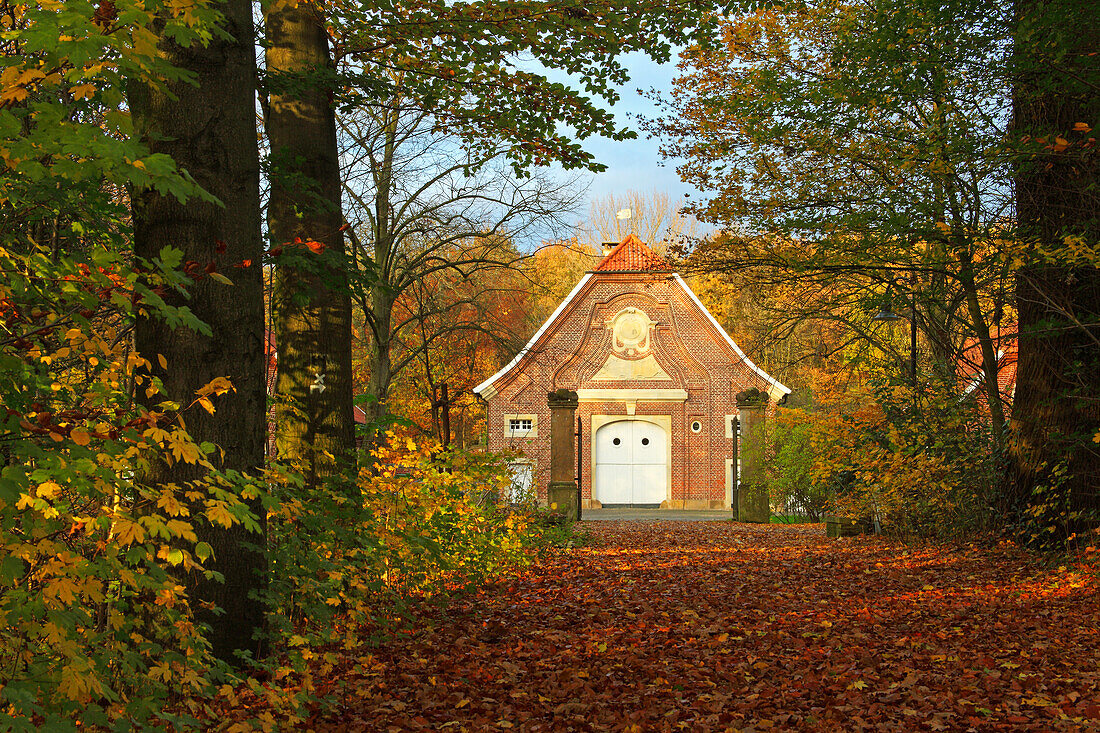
[(971, 373), (656, 376)]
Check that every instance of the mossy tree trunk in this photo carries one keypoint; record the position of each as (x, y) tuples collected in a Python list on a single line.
[(311, 303)]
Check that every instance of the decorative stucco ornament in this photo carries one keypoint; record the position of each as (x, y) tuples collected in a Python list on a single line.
[(630, 329), (645, 368)]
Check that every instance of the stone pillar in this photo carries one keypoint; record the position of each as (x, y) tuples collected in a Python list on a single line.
[(562, 494), (752, 496)]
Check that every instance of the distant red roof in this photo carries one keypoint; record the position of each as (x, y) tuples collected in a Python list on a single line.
[(970, 368), (631, 255)]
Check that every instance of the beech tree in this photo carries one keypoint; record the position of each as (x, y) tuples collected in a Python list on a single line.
[(311, 303), (207, 125), (1052, 481), (465, 64), (458, 329), (432, 210), (462, 69)]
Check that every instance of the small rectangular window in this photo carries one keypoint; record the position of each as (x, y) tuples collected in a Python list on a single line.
[(521, 426)]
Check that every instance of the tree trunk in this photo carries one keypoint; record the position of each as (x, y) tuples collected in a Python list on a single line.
[(991, 367), (210, 131), (381, 361), (1053, 462), (311, 302)]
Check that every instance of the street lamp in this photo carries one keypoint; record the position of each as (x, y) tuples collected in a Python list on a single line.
[(887, 314)]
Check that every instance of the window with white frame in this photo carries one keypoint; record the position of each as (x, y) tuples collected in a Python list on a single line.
[(521, 426)]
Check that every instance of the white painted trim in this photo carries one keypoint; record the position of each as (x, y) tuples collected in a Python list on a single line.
[(781, 389), (538, 334), (633, 395)]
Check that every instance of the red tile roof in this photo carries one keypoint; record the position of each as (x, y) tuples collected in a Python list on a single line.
[(970, 364), (631, 255)]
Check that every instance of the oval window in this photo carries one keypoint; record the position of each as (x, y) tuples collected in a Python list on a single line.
[(645, 441), (696, 426), (616, 441)]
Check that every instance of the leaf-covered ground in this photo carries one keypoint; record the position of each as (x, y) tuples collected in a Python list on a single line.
[(654, 626)]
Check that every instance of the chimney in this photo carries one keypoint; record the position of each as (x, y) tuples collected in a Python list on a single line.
[(608, 246)]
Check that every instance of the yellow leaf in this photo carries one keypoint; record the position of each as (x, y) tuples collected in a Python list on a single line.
[(80, 437), (219, 514), (1082, 127), (181, 529), (183, 449), (162, 361), (216, 386), (78, 681), (62, 588), (127, 532), (84, 91), (49, 489)]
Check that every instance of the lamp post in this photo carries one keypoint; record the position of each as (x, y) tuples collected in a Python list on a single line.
[(887, 314)]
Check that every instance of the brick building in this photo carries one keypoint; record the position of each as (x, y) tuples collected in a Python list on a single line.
[(656, 376), (971, 373)]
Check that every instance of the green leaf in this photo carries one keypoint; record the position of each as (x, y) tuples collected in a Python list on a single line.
[(203, 551)]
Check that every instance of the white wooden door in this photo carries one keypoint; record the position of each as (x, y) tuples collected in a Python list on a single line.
[(631, 463), (522, 489)]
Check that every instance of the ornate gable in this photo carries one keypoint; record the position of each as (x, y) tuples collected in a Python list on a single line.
[(617, 327)]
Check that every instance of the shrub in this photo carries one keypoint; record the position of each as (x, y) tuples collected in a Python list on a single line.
[(791, 480), (921, 463), (346, 565)]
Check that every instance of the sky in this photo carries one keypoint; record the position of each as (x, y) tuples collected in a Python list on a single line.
[(636, 164)]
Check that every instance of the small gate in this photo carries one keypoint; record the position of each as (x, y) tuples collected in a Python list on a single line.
[(579, 468)]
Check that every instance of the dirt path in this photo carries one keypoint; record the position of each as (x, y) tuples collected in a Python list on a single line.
[(713, 626)]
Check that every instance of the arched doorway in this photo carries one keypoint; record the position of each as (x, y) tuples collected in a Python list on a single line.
[(631, 464)]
